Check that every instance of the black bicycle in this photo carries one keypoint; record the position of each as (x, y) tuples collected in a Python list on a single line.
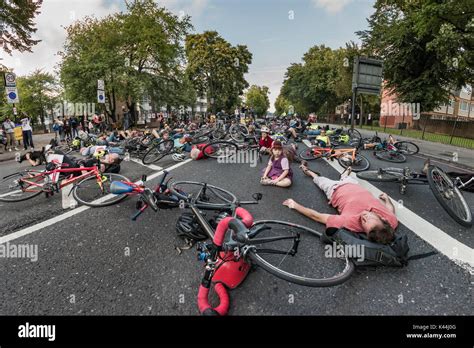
[(446, 191)]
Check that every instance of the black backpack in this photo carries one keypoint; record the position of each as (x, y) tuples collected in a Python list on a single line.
[(394, 254)]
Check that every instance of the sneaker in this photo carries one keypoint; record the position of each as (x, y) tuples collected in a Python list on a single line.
[(16, 149), (10, 150)]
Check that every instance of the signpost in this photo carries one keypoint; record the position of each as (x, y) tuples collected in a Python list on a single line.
[(100, 91), (366, 79)]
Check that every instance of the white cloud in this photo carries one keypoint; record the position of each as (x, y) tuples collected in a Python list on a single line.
[(55, 15), (193, 8), (332, 6)]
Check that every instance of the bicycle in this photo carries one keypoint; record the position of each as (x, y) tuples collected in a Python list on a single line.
[(222, 149), (446, 191), (285, 250), (91, 186), (347, 157), (160, 149)]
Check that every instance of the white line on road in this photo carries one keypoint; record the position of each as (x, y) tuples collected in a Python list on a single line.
[(150, 166), (461, 254), (56, 219)]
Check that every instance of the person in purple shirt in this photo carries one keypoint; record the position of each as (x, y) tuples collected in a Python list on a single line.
[(278, 171)]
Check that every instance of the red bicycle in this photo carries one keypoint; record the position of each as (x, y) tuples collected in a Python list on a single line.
[(91, 186)]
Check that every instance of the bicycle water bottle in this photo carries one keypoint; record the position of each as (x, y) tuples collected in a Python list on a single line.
[(127, 156)]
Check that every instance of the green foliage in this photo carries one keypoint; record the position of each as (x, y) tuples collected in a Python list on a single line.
[(321, 81), (256, 98), (16, 24), (136, 53), (216, 69), (427, 47), (282, 105)]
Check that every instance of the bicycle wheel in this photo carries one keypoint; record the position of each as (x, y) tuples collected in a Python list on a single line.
[(407, 147), (359, 164), (89, 192), (391, 156), (381, 175), (158, 151), (296, 254), (20, 186), (205, 194), (218, 134), (220, 149), (449, 196), (311, 153), (354, 133), (238, 132)]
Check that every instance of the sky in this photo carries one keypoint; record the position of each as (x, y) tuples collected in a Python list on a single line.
[(277, 32)]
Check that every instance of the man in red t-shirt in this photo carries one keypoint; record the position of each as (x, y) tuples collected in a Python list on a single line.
[(359, 210)]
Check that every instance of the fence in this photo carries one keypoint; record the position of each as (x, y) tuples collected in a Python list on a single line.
[(457, 131)]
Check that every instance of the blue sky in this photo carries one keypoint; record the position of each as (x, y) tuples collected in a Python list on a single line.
[(277, 32)]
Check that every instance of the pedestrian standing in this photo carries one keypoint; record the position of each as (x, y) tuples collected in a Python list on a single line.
[(9, 128), (74, 124), (67, 128), (27, 133)]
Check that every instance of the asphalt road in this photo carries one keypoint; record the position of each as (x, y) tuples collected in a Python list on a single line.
[(83, 265)]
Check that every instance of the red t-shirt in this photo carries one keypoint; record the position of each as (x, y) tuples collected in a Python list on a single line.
[(267, 142), (350, 200)]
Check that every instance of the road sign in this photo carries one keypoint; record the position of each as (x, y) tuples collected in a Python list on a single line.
[(367, 75), (12, 95), (100, 85), (10, 80), (100, 96)]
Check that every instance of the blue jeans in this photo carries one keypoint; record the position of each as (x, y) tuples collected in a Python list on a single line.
[(313, 132)]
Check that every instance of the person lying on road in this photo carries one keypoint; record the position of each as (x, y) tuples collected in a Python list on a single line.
[(359, 211)]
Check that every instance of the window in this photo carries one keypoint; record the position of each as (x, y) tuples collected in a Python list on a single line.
[(463, 106)]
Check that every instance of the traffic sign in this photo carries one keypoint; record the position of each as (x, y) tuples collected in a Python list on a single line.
[(100, 85), (100, 96), (12, 95), (10, 80)]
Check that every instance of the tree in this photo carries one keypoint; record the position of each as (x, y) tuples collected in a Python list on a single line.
[(38, 91), (282, 105), (427, 47), (216, 69), (133, 52), (256, 98), (16, 24)]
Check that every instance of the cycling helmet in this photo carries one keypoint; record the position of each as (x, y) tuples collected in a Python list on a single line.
[(188, 228), (178, 157), (76, 142), (344, 138)]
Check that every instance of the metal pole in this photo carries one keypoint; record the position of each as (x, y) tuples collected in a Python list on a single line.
[(454, 128), (354, 95), (385, 125), (424, 128)]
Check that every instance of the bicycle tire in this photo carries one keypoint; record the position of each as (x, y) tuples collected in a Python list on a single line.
[(182, 195), (11, 189), (238, 132), (309, 154), (380, 175), (391, 156), (360, 163), (354, 133), (288, 272), (445, 197), (85, 186), (407, 147), (158, 151), (220, 149)]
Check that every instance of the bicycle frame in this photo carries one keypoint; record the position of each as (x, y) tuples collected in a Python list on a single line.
[(334, 153), (90, 171)]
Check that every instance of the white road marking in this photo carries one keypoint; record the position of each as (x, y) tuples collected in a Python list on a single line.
[(150, 166), (56, 219), (456, 251)]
